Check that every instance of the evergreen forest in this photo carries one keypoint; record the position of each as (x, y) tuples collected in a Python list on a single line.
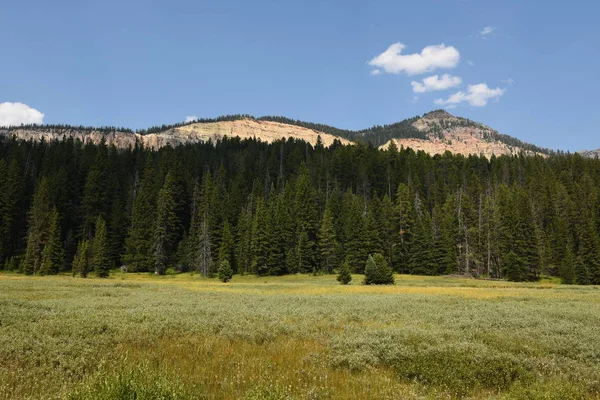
[(250, 207)]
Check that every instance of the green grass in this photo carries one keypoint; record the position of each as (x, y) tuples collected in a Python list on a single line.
[(181, 336)]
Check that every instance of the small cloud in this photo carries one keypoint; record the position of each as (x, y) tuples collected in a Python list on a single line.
[(433, 83), (15, 114), (415, 99), (471, 63), (429, 59), (487, 30), (508, 81), (476, 95), (191, 118), (376, 72)]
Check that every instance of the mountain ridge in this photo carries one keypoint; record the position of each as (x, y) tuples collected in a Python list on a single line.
[(435, 132)]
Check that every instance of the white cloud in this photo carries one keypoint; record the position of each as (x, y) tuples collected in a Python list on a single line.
[(15, 114), (433, 83), (471, 63), (476, 95), (487, 30), (376, 72), (191, 118), (429, 59)]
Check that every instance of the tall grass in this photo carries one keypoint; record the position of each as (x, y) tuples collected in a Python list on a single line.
[(296, 337)]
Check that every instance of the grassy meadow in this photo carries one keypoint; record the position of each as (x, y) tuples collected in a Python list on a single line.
[(296, 337)]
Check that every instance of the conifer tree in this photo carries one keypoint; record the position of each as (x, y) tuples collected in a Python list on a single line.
[(345, 275), (53, 253), (567, 267), (515, 267), (39, 225), (378, 271), (224, 271), (385, 272), (203, 252), (12, 213), (404, 216), (260, 245), (81, 261), (371, 272), (165, 228), (327, 241), (422, 258), (354, 229), (100, 257), (226, 249), (306, 254), (582, 275), (243, 248), (138, 245)]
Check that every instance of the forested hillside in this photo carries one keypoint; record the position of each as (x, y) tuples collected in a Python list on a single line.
[(288, 207)]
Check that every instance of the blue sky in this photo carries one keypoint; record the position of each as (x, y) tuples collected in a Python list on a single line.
[(143, 63)]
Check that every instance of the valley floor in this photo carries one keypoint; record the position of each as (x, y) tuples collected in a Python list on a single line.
[(296, 337)]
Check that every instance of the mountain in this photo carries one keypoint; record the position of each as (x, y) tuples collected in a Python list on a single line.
[(445, 132), (435, 133), (590, 153)]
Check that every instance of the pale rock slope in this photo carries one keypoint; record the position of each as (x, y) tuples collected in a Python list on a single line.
[(266, 131), (459, 136)]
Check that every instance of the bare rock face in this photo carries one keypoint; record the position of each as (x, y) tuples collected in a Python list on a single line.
[(266, 131), (590, 153), (118, 138), (457, 135)]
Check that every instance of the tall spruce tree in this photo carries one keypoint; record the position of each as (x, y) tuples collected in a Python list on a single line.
[(53, 255), (203, 259), (138, 245), (39, 221), (81, 261), (166, 227), (327, 241), (100, 256)]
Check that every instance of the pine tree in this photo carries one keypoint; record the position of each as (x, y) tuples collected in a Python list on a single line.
[(39, 225), (226, 249), (100, 257), (203, 252), (354, 229), (386, 273), (422, 258), (165, 228), (515, 267), (243, 248), (53, 253), (81, 262), (327, 241), (404, 215), (224, 271), (371, 272), (306, 253), (260, 245), (567, 267), (582, 275), (138, 245), (378, 271), (345, 275)]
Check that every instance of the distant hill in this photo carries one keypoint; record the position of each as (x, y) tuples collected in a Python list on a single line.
[(435, 133), (445, 132)]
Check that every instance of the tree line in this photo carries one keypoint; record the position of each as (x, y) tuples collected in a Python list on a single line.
[(247, 206)]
